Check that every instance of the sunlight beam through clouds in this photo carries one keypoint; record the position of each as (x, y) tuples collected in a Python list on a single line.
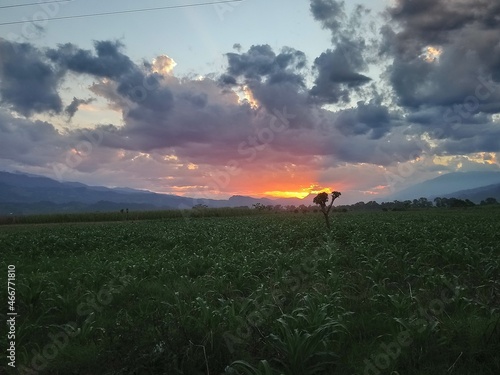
[(431, 54)]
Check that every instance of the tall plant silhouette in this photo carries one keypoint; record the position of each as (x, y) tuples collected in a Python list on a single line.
[(322, 200)]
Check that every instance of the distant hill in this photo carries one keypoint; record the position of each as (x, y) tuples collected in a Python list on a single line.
[(29, 194), (18, 188), (478, 194), (45, 207), (240, 200), (446, 185)]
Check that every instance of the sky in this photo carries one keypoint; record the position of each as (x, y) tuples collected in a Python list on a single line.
[(267, 98)]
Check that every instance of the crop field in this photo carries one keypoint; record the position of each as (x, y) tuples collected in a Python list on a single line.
[(380, 293)]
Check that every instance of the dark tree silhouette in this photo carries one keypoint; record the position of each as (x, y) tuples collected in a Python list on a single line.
[(489, 201), (322, 200)]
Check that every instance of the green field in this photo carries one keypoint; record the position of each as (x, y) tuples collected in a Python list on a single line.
[(381, 293)]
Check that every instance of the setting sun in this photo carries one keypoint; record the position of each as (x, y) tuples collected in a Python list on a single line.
[(287, 194), (302, 193)]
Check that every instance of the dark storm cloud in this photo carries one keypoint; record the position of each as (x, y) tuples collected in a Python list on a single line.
[(226, 79), (339, 69), (130, 83), (360, 135), (337, 78), (460, 72), (337, 74), (470, 139), (35, 143), (28, 83), (276, 97), (343, 26), (209, 124), (276, 80), (330, 13), (72, 108), (444, 117), (445, 70), (175, 113), (370, 118), (145, 89), (261, 62), (108, 61), (464, 32), (435, 21)]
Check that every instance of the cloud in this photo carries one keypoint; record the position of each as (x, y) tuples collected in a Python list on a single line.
[(473, 138), (337, 74), (260, 62), (339, 69), (204, 122), (330, 13), (108, 62), (163, 65), (444, 64), (367, 118), (343, 26), (29, 83), (172, 113), (275, 80), (34, 143), (429, 22), (465, 32), (72, 108), (183, 131)]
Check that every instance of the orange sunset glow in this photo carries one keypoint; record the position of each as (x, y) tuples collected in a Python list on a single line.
[(299, 193), (278, 181)]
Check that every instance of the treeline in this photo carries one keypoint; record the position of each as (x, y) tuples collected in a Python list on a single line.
[(420, 204), (126, 215), (201, 210), (396, 205)]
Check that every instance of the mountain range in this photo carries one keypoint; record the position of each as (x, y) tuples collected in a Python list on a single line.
[(478, 194), (475, 186), (31, 194)]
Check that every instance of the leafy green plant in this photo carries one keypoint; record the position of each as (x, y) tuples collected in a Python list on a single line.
[(305, 339), (244, 368)]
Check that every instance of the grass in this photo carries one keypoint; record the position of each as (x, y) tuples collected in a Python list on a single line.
[(398, 292)]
